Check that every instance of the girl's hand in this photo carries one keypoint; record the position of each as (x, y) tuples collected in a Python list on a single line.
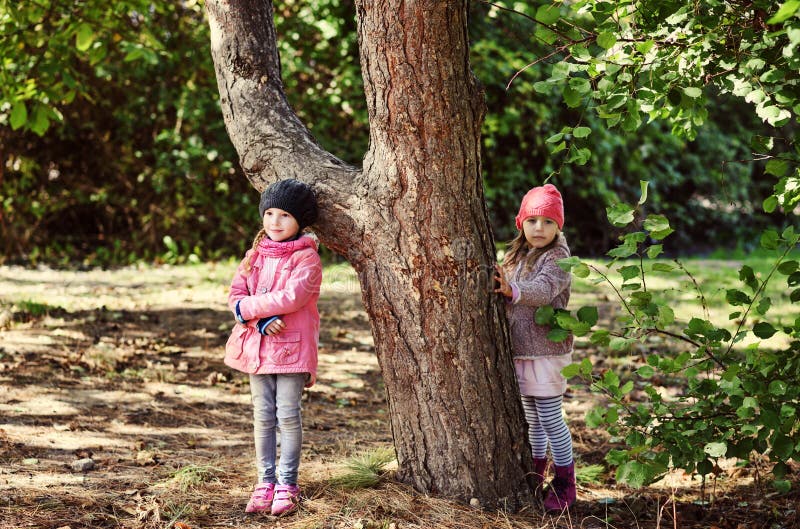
[(500, 277), (275, 327)]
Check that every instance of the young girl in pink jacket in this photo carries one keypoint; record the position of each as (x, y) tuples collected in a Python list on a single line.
[(530, 278), (273, 297)]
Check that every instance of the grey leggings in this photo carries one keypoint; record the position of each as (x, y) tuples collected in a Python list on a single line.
[(276, 403)]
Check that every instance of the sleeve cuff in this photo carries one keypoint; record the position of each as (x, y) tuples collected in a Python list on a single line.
[(263, 323), (239, 317), (514, 293)]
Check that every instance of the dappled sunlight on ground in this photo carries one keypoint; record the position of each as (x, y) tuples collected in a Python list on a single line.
[(125, 367)]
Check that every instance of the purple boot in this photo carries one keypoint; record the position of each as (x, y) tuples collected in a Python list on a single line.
[(561, 494), (539, 474)]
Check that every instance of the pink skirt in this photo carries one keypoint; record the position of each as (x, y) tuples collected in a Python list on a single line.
[(542, 377)]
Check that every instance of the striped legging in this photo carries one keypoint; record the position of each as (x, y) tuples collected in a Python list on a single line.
[(546, 422)]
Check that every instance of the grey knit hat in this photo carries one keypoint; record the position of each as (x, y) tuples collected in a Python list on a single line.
[(291, 196)]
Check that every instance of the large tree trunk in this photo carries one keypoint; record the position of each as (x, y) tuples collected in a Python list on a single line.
[(413, 224)]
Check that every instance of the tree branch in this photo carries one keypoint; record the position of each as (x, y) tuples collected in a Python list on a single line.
[(271, 141)]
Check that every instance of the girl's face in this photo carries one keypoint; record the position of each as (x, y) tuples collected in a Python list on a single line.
[(280, 225), (539, 231)]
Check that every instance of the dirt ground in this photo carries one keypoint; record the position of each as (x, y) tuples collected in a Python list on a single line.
[(125, 368)]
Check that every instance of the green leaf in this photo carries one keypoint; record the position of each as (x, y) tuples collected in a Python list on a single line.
[(555, 138), (737, 297), (645, 47), (763, 306), (658, 226), (572, 97), (568, 263), (764, 330), (581, 132), (544, 315), (19, 115), (84, 37), (666, 316), (769, 240), (786, 10), (782, 485), (715, 449), (41, 121), (643, 196), (601, 337), (655, 250), (777, 167), (756, 96), (582, 271), (788, 267), (594, 417), (772, 114), (611, 379), (638, 474), (626, 249), (770, 203), (619, 344), (782, 447), (645, 371), (663, 267), (588, 315), (606, 40), (548, 14), (571, 370), (693, 92), (581, 85), (748, 276), (558, 335), (579, 156), (620, 215), (586, 367), (629, 272), (778, 387), (543, 87), (761, 144)]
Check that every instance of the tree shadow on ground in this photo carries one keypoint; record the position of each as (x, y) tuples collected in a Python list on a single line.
[(145, 394)]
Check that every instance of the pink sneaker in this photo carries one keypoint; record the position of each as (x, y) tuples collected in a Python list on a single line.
[(286, 499), (261, 499)]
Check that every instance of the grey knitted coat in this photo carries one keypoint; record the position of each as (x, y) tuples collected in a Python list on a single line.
[(539, 281)]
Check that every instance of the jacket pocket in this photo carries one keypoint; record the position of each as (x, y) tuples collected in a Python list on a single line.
[(235, 345), (283, 348)]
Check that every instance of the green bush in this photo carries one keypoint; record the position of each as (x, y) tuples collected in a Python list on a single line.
[(738, 400)]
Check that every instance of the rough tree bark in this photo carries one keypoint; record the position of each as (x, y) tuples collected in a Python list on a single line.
[(412, 222)]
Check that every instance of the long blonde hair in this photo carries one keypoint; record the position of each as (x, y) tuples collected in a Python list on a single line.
[(258, 238)]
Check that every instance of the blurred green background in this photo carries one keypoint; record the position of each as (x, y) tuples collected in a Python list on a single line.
[(113, 149)]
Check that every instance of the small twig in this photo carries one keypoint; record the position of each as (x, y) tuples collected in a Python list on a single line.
[(537, 61), (755, 296)]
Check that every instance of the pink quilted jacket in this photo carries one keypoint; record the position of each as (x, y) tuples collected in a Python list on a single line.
[(284, 281)]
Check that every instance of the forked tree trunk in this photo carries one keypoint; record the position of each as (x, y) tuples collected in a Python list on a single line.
[(413, 224)]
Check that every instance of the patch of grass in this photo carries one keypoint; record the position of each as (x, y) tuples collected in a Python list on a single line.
[(193, 476), (33, 309), (365, 470), (589, 474), (173, 512)]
